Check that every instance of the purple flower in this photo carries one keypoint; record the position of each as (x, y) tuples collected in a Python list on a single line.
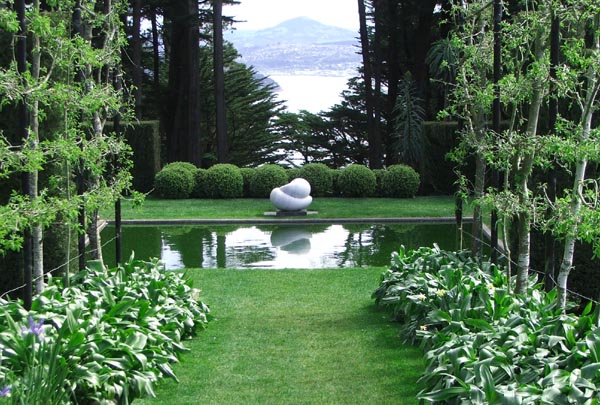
[(34, 328), (5, 391)]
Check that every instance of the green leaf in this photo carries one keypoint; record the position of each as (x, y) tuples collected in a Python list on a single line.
[(443, 394), (481, 324)]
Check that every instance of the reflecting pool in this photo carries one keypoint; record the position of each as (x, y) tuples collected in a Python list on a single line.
[(277, 246)]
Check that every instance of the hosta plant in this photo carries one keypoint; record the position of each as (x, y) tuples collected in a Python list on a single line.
[(485, 345), (113, 333)]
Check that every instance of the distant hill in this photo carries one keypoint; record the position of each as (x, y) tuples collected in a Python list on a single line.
[(300, 30), (299, 45)]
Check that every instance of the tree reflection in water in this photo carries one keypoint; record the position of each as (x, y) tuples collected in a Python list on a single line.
[(279, 246)]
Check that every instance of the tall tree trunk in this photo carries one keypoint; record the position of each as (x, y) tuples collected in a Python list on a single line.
[(219, 77), (496, 111), (24, 134), (155, 51), (592, 87), (182, 120), (136, 55), (377, 75), (549, 242), (478, 190), (393, 61), (372, 135), (34, 136), (523, 173)]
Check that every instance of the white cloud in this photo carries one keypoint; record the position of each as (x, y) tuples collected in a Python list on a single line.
[(260, 14)]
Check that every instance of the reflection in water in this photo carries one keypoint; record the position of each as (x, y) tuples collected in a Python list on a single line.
[(281, 246), (292, 239)]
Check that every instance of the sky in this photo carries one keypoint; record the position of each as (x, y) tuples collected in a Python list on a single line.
[(260, 14)]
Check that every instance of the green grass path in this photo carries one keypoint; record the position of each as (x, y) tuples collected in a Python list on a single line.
[(293, 337)]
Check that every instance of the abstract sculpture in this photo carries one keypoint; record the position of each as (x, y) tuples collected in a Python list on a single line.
[(294, 196)]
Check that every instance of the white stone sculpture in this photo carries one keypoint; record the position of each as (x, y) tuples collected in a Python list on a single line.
[(294, 196)]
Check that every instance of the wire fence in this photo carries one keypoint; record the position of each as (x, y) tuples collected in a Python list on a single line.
[(465, 232), (62, 266), (532, 270)]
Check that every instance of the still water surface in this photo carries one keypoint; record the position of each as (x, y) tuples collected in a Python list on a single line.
[(277, 246)]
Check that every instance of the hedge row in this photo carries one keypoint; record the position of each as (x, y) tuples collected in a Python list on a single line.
[(184, 180)]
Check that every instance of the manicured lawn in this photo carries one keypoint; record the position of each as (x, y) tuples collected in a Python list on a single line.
[(247, 208), (294, 337)]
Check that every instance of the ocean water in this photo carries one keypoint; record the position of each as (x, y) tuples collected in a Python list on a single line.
[(313, 93)]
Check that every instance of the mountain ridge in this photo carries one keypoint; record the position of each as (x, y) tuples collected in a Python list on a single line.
[(297, 46)]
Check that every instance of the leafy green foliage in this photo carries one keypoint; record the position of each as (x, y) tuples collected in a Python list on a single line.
[(320, 178), (356, 181), (247, 174), (265, 179), (399, 181), (190, 167), (409, 142), (199, 190), (108, 337), (224, 180), (251, 106), (484, 344), (293, 173), (175, 181)]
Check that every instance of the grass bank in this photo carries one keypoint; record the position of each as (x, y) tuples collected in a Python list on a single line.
[(294, 337), (249, 208)]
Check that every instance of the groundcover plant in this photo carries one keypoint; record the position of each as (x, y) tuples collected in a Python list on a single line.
[(110, 335), (484, 344)]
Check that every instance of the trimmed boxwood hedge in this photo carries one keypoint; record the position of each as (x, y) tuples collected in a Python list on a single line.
[(247, 174), (224, 180), (265, 179), (199, 190), (357, 181), (400, 181), (175, 180), (320, 178)]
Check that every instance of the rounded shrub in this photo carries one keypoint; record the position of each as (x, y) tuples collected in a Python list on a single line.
[(174, 182), (400, 181), (357, 181), (335, 180), (320, 178), (199, 190), (181, 165), (293, 173), (224, 180), (265, 179), (247, 174), (378, 176)]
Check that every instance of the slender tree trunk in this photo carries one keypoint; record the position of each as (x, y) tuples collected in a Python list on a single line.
[(496, 110), (587, 113), (478, 191), (136, 56), (219, 77), (524, 172), (155, 50), (34, 136), (372, 135), (377, 76), (21, 55), (549, 242)]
